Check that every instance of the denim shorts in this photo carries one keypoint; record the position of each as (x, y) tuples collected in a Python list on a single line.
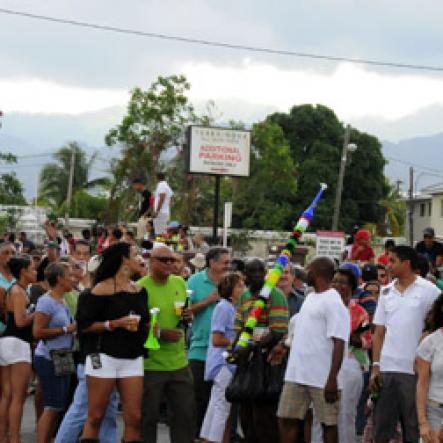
[(55, 388)]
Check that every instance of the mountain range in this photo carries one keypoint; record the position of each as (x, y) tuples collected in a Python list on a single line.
[(34, 137)]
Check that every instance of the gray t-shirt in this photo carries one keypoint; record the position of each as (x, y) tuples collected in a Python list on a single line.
[(431, 350), (59, 316)]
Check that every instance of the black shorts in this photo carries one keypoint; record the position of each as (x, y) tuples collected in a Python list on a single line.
[(396, 403)]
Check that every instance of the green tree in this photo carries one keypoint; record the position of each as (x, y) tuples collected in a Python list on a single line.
[(262, 201), (54, 177), (11, 189), (395, 210), (85, 205), (315, 136), (155, 120)]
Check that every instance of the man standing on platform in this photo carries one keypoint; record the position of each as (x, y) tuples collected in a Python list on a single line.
[(143, 207), (162, 202)]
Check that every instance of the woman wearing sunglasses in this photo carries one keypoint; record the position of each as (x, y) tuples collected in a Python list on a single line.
[(113, 321)]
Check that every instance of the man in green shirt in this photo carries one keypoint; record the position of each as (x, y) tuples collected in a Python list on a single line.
[(167, 372)]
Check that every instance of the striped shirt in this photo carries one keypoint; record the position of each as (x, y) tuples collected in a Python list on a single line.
[(274, 316)]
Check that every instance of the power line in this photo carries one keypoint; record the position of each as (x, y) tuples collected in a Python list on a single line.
[(219, 44), (43, 154), (429, 170)]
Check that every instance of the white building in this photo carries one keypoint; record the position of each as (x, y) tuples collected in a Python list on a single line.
[(427, 211), (30, 219)]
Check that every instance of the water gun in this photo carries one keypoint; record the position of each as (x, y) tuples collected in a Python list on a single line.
[(152, 341), (273, 277)]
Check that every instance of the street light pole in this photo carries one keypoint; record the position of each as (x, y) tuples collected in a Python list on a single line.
[(344, 157)]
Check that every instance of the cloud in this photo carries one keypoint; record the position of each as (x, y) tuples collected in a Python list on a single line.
[(39, 96), (350, 90), (249, 91)]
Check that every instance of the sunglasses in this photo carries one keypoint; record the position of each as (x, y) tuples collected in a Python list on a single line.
[(166, 260)]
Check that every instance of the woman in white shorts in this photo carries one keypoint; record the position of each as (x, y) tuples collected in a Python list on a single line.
[(429, 367), (216, 426), (15, 348), (113, 322)]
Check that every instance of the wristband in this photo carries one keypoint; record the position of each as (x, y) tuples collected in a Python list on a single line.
[(65, 329), (107, 325), (376, 363)]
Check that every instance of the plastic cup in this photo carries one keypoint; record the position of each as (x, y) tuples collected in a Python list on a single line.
[(179, 305), (135, 320)]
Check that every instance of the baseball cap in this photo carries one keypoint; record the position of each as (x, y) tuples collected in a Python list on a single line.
[(353, 267), (429, 231), (173, 225), (369, 272)]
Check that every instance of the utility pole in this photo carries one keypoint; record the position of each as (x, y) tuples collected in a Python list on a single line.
[(70, 183), (341, 175), (411, 206)]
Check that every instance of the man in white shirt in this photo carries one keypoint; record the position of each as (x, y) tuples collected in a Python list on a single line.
[(162, 202), (399, 319), (320, 337)]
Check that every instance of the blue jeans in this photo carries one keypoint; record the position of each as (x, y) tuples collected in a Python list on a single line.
[(75, 418)]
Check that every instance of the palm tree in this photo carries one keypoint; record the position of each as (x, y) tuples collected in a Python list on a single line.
[(395, 210), (54, 177)]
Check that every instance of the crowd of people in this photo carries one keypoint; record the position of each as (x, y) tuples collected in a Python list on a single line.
[(343, 348)]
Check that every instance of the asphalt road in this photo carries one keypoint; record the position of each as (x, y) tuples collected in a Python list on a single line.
[(28, 425)]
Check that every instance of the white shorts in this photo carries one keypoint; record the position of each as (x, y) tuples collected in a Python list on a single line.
[(218, 410), (14, 350), (112, 367), (160, 223)]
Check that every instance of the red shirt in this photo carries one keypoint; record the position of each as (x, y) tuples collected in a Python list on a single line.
[(364, 255)]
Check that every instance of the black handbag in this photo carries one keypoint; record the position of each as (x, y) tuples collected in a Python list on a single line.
[(255, 379), (249, 378), (63, 360)]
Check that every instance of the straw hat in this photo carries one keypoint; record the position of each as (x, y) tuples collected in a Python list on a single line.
[(199, 261)]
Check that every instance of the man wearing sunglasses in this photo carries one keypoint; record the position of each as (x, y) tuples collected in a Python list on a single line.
[(167, 370), (430, 248)]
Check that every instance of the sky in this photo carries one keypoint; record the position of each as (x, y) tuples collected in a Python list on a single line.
[(59, 82), (49, 68)]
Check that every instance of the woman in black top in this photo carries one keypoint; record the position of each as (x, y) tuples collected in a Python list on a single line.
[(15, 348), (114, 321)]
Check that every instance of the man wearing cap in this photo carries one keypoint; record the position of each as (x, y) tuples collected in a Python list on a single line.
[(430, 248), (52, 255), (144, 206)]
